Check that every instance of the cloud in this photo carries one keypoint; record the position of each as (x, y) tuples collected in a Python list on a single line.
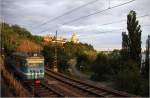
[(31, 13)]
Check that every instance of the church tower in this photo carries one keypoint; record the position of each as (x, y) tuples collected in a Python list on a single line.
[(74, 38)]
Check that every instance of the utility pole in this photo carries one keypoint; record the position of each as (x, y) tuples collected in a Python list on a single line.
[(55, 57), (2, 41)]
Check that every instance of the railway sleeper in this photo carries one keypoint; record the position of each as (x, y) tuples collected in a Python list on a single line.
[(51, 89), (104, 93), (75, 85)]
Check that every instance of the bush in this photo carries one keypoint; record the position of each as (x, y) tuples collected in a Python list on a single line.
[(101, 67), (129, 79)]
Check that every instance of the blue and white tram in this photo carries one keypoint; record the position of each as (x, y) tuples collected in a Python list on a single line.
[(29, 66)]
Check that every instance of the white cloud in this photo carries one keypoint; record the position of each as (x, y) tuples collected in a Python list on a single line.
[(31, 13)]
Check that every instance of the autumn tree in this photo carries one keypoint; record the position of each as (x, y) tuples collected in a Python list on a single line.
[(28, 46), (16, 38)]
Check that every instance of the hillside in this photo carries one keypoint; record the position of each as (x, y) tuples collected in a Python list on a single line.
[(16, 38)]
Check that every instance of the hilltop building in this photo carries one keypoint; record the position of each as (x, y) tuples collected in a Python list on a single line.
[(52, 39), (74, 38), (61, 40)]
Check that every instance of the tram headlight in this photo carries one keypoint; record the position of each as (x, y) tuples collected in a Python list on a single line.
[(30, 72), (41, 71)]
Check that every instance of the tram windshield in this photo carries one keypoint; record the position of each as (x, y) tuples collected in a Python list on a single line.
[(35, 64)]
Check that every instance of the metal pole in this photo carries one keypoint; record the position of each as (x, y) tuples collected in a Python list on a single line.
[(55, 59), (2, 40)]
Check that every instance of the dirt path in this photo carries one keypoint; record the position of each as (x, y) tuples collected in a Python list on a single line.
[(75, 72)]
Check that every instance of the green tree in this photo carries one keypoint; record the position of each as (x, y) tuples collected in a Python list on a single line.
[(129, 79), (49, 53), (62, 59), (74, 50), (125, 46), (82, 61), (115, 61), (134, 38), (101, 67)]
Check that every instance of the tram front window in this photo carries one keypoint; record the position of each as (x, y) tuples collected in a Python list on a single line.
[(36, 64)]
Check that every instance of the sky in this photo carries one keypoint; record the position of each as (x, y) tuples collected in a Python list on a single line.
[(102, 30)]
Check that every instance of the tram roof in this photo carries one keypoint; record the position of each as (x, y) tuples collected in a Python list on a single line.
[(25, 55)]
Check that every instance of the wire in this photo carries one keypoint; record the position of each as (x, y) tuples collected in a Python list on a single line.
[(101, 33), (123, 20), (66, 13), (106, 32), (98, 12)]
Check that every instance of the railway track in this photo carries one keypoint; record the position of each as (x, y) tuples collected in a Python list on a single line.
[(87, 88), (38, 90), (41, 90)]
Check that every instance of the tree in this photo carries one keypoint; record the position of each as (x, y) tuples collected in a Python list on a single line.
[(82, 61), (62, 59), (128, 79), (48, 52), (101, 67), (134, 38), (125, 47), (28, 46), (17, 38)]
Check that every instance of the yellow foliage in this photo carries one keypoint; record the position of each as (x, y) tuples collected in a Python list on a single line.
[(91, 55), (28, 46)]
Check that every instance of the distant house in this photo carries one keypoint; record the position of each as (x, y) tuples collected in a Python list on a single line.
[(52, 39)]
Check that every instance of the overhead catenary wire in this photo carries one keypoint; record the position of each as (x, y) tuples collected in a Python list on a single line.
[(66, 13), (99, 33), (97, 12), (119, 22), (123, 20), (123, 29)]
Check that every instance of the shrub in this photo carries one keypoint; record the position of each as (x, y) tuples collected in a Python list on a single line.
[(101, 67), (129, 79)]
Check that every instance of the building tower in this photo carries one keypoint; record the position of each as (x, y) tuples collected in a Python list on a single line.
[(74, 38)]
